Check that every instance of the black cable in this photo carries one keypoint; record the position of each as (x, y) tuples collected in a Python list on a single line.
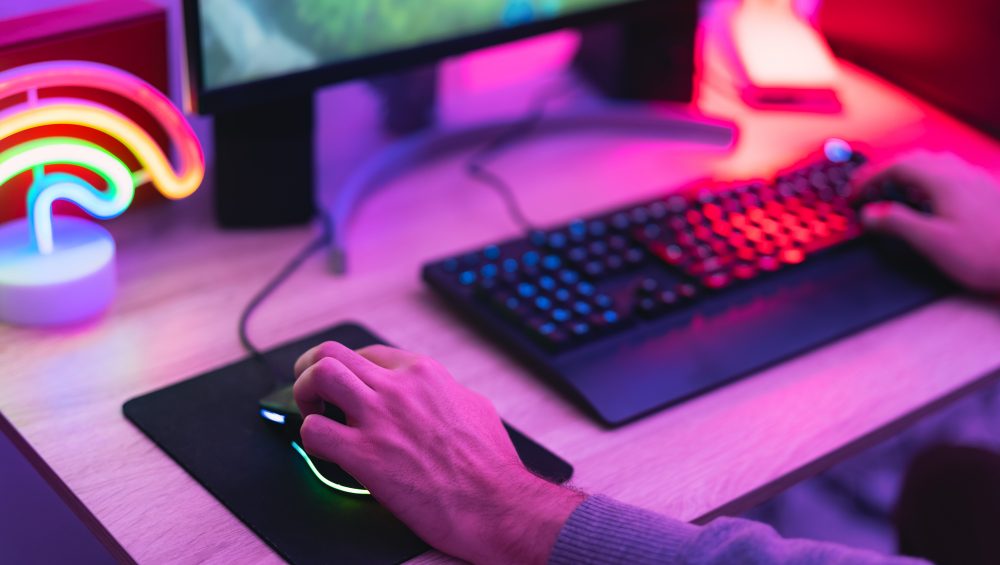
[(477, 167), (318, 243)]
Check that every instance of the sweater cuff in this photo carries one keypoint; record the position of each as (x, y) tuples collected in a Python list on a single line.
[(602, 531)]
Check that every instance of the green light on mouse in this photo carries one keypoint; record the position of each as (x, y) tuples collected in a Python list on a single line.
[(324, 480)]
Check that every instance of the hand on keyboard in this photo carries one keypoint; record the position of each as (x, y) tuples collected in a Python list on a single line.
[(961, 235)]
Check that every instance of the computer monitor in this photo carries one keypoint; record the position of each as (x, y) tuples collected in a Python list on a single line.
[(254, 64), (243, 51)]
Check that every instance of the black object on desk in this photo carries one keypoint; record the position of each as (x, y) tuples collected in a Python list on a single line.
[(212, 427), (42, 521), (642, 307)]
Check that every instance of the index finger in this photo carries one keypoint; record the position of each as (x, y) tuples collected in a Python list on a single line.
[(363, 368)]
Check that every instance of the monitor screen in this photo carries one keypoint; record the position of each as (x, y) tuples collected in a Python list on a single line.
[(246, 41)]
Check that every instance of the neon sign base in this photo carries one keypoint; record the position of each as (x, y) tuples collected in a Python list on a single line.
[(74, 283)]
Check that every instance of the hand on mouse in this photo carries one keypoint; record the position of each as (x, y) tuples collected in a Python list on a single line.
[(962, 237), (432, 451)]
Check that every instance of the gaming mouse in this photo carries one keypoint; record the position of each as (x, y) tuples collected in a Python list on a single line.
[(280, 411)]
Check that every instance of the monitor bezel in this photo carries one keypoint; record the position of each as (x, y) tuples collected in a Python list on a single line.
[(304, 82)]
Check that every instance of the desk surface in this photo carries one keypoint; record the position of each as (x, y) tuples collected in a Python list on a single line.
[(184, 282)]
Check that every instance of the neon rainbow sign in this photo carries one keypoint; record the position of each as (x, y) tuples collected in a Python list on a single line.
[(57, 269)]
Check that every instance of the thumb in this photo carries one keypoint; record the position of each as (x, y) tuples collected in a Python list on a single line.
[(927, 234)]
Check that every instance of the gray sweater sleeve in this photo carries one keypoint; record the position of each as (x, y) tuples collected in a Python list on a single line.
[(604, 532)]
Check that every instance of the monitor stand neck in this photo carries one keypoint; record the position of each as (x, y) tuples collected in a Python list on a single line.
[(265, 155), (409, 99), (264, 164)]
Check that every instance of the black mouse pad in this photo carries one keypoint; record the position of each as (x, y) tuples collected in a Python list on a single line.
[(211, 426)]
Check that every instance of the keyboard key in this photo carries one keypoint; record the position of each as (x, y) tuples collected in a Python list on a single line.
[(598, 228), (687, 290), (716, 281), (768, 263), (527, 290), (604, 301)]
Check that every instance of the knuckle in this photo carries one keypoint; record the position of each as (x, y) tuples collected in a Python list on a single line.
[(327, 366), (311, 429), (424, 366), (329, 349), (376, 348)]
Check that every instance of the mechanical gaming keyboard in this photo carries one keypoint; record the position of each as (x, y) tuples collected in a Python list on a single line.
[(635, 309)]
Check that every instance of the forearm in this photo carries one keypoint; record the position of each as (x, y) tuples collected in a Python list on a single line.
[(602, 531)]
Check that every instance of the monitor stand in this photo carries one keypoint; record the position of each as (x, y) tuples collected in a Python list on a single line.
[(265, 155), (265, 166)]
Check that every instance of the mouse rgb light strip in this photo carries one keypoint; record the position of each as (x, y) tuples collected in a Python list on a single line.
[(324, 480)]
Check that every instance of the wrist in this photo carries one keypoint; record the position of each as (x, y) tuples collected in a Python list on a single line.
[(529, 512)]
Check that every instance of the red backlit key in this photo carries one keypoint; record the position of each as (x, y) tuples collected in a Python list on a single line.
[(722, 228), (766, 248), (792, 256), (768, 263), (747, 254), (838, 223), (712, 212), (720, 247), (716, 281), (744, 271)]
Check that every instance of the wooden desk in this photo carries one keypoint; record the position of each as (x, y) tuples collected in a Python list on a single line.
[(184, 283)]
